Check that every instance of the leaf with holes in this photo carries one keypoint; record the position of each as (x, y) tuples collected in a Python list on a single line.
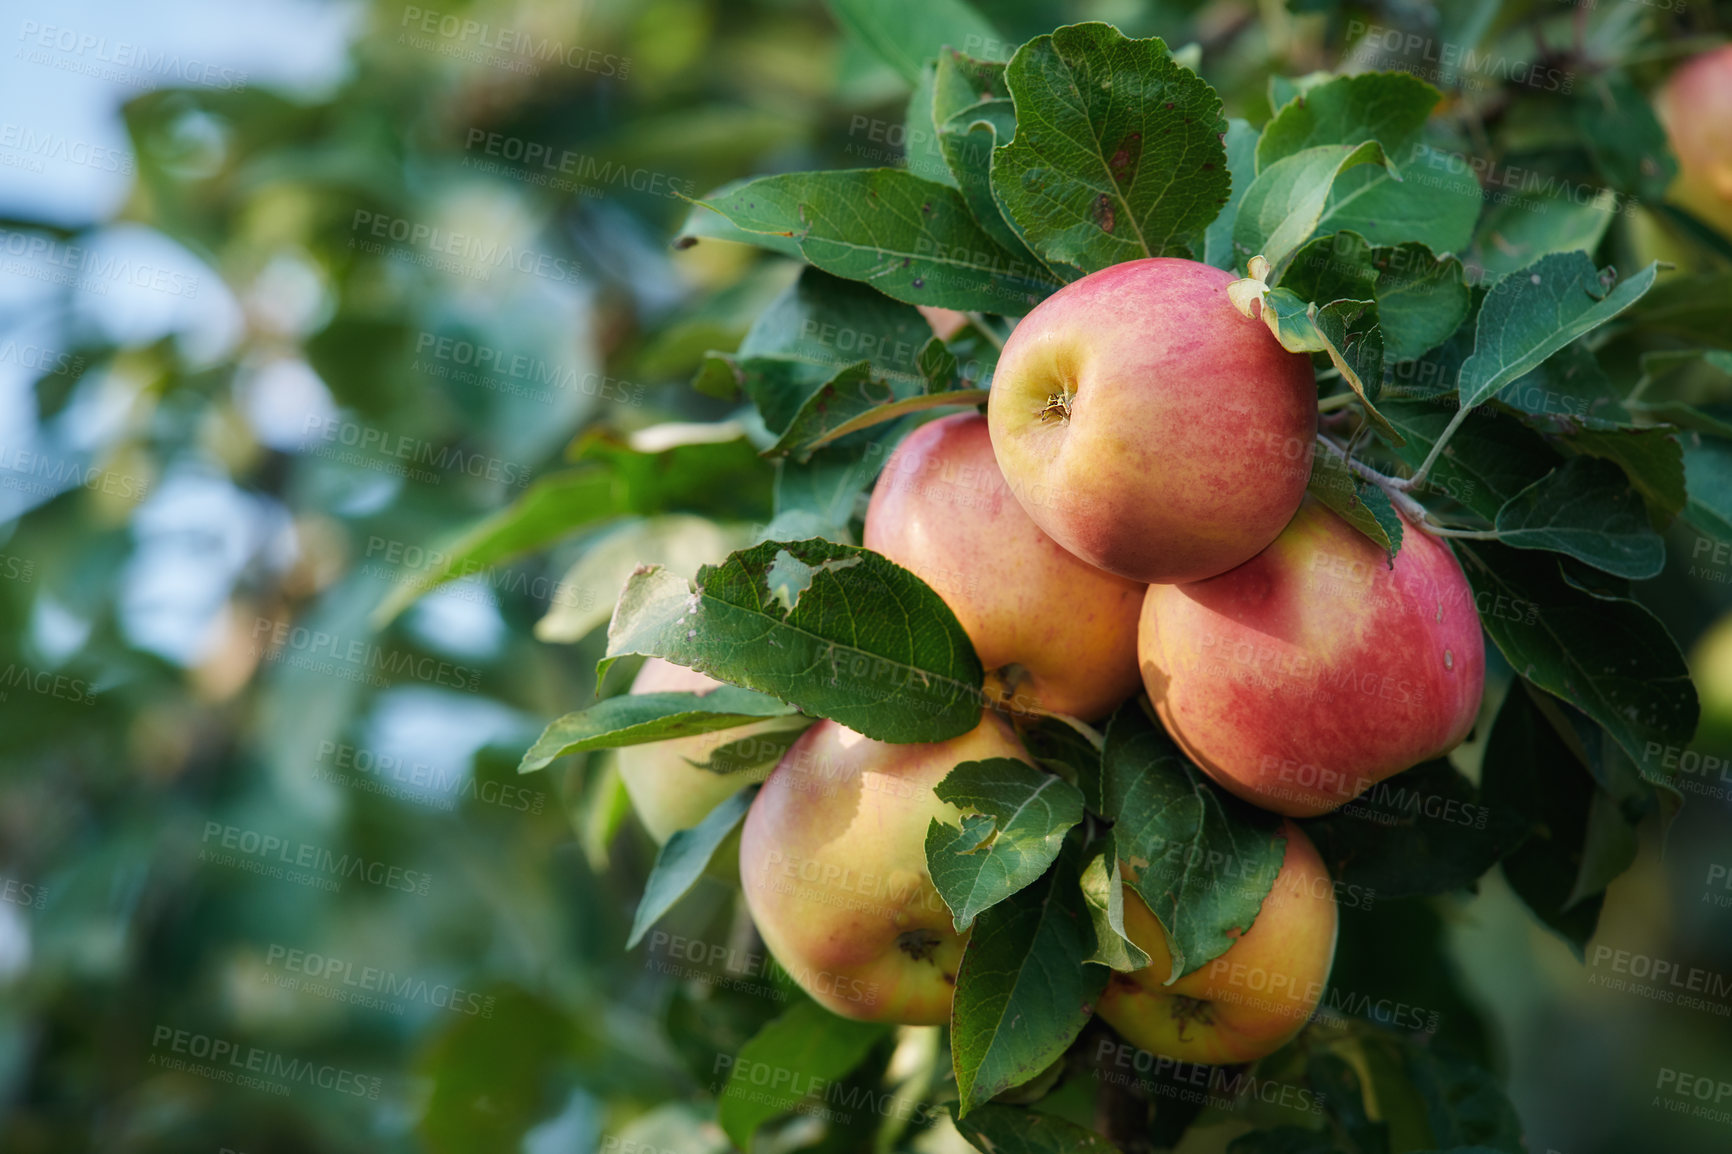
[(1017, 821), (1117, 153)]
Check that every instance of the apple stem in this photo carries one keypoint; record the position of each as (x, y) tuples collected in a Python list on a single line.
[(978, 320), (1470, 534), (1406, 483), (1398, 497)]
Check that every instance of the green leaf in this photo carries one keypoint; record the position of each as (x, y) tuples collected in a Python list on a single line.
[(1019, 819), (1617, 126), (1423, 832), (1332, 268), (548, 510), (1117, 154), (912, 239), (1388, 107), (1022, 990), (1708, 475), (1587, 509), (584, 597), (1284, 204), (1355, 345), (1241, 145), (1425, 196), (906, 33), (1465, 1105), (995, 1129), (1533, 313), (1568, 392), (683, 860), (1290, 317), (1421, 298), (1517, 231), (1065, 751), (1606, 655), (920, 148), (754, 752), (974, 113), (1103, 892), (838, 631), (636, 718), (702, 223), (1493, 459), (1360, 504), (1201, 859), (797, 1054)]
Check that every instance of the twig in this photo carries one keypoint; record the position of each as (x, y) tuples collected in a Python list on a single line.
[(1398, 497), (1407, 483)]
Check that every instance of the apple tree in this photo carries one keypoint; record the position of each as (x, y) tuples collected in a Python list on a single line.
[(1497, 382)]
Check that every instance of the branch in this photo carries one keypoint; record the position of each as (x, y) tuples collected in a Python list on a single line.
[(1405, 484)]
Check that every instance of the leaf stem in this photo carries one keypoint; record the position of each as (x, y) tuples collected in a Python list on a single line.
[(1407, 483), (1398, 496), (1338, 401)]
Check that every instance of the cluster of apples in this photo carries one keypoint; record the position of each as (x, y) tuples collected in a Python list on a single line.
[(1129, 515)]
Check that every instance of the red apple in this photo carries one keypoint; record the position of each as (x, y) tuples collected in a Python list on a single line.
[(1151, 428), (833, 863), (1696, 108), (1252, 999), (1042, 620), (1304, 676)]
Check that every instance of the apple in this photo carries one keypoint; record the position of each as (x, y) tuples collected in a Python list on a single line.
[(1696, 107), (1315, 670), (1252, 999), (1041, 620), (667, 789), (833, 864), (1148, 426), (945, 323)]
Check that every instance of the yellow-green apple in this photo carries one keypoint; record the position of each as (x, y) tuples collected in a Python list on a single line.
[(667, 789), (1148, 426), (1252, 999), (833, 863), (1051, 629), (1315, 670), (1696, 107)]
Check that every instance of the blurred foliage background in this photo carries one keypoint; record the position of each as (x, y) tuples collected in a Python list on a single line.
[(259, 365)]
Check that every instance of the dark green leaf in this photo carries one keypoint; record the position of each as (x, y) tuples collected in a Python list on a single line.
[(1533, 313), (911, 239), (906, 33), (838, 631), (1618, 127), (1241, 145), (1587, 509), (1606, 655), (1494, 457), (683, 860), (1708, 474), (1117, 153), (636, 718), (994, 1129), (1022, 990), (1519, 230), (1425, 196), (1360, 504), (1283, 206), (1388, 107), (753, 752), (1200, 858), (1421, 298), (798, 1054), (1465, 1105), (1019, 819)]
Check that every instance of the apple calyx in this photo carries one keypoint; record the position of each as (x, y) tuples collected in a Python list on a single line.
[(1057, 407), (1247, 294)]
